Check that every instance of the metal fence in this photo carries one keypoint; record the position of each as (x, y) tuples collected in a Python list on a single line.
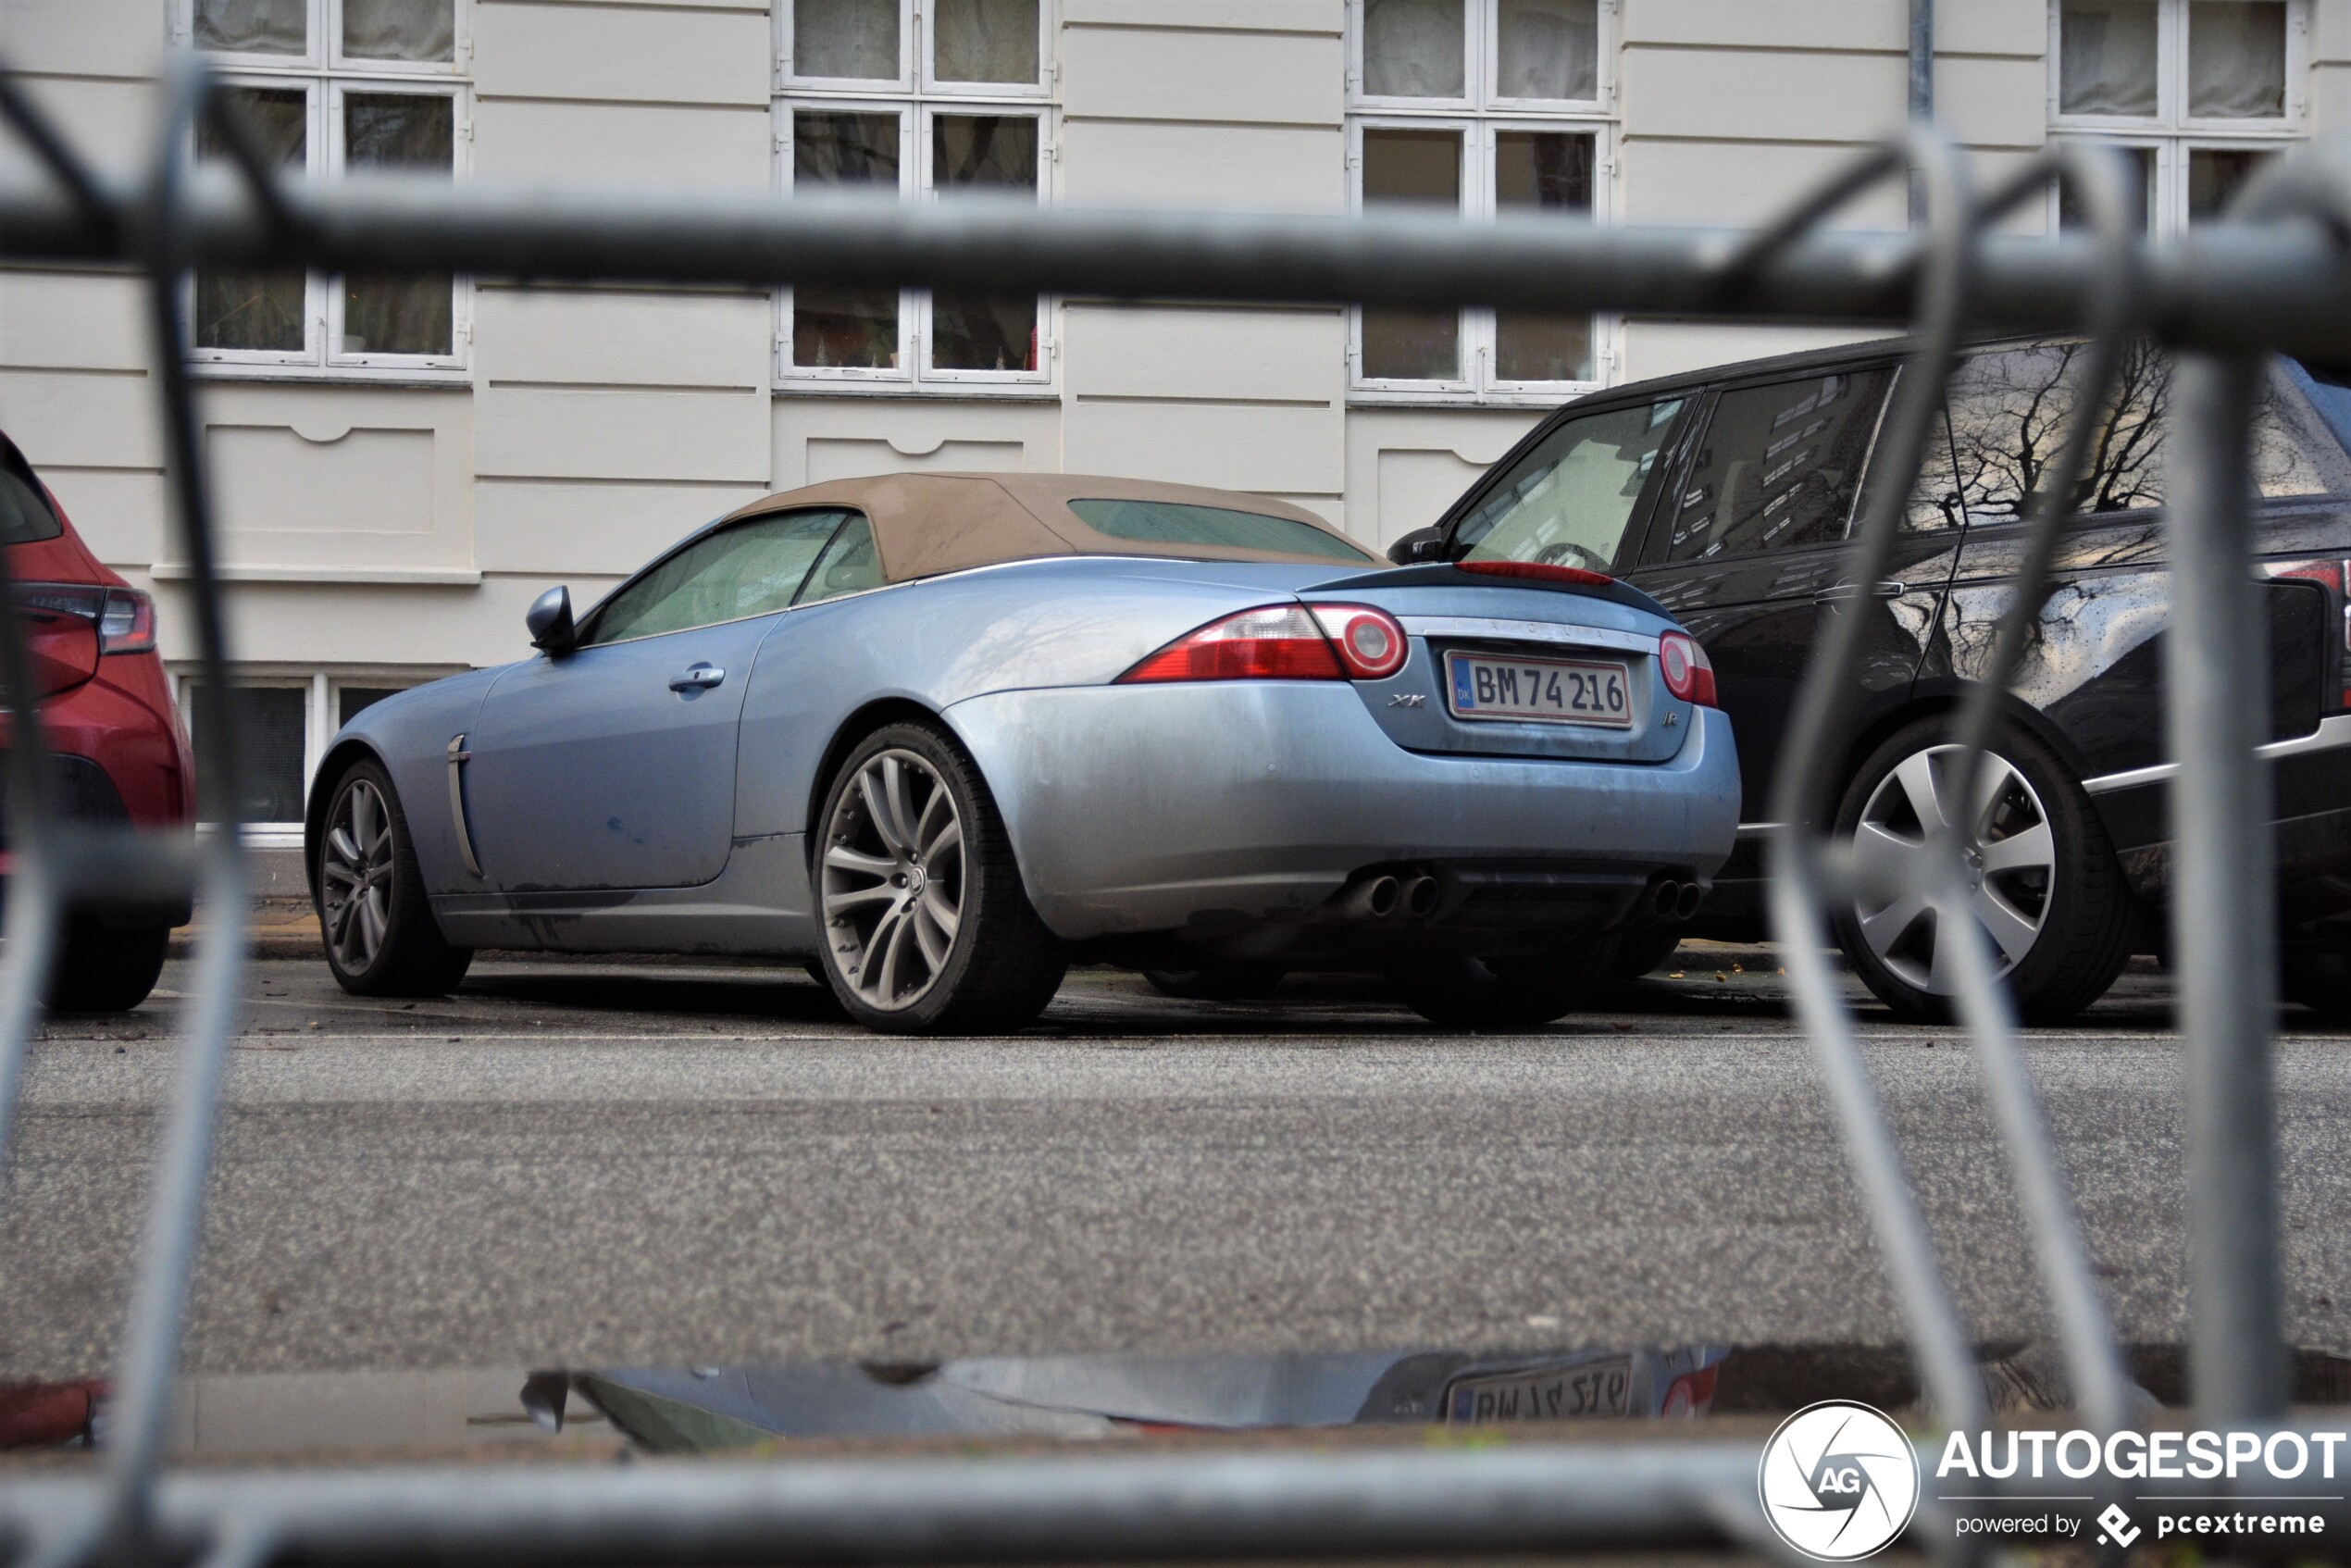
[(2276, 277)]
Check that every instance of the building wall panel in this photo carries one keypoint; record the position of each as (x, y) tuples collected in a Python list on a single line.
[(560, 528), (116, 38), (1279, 450), (660, 146), (1299, 168), (622, 336), (1186, 75), (612, 54), (1757, 95), (1235, 354), (849, 437), (622, 434), (72, 320)]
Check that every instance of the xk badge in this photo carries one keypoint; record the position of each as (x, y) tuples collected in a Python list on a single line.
[(1838, 1481)]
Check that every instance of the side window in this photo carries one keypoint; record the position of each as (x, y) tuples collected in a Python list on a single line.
[(851, 566), (1778, 467), (2012, 409), (749, 570), (1569, 501)]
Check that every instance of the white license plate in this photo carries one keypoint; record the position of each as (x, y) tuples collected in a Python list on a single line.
[(1550, 1393), (1545, 690)]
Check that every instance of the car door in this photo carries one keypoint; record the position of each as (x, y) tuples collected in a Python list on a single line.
[(614, 767), (1748, 549)]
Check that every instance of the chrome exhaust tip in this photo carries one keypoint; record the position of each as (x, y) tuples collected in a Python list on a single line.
[(1692, 896), (1420, 897)]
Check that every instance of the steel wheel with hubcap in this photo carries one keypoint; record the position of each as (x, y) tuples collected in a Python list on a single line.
[(376, 924), (927, 926), (2040, 880)]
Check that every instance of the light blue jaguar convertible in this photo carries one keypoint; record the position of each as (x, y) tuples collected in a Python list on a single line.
[(937, 736)]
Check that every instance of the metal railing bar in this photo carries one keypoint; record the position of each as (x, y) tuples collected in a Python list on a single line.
[(57, 154)]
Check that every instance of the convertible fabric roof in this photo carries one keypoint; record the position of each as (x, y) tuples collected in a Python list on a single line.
[(928, 523)]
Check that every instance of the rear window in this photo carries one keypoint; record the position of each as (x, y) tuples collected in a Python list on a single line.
[(25, 518), (1181, 522)]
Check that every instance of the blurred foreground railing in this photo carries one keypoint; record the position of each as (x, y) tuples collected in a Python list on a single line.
[(2278, 277)]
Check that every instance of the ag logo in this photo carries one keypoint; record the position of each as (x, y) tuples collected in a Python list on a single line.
[(1838, 1481)]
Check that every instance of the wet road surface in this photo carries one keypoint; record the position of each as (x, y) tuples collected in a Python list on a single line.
[(571, 1163)]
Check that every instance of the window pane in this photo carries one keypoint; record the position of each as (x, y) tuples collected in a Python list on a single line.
[(984, 40), (1547, 171), (2294, 454), (254, 27), (2105, 57), (851, 38), (1412, 49), (831, 325), (1780, 466), (353, 701), (753, 568), (1177, 522), (973, 331), (2215, 174), (273, 719), (1412, 168), (2073, 214), (1550, 49), (851, 566), (400, 29), (1569, 501), (248, 307), (2011, 410), (2236, 60), (25, 516), (385, 314)]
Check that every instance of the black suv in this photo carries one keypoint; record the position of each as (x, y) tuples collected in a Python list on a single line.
[(1727, 495)]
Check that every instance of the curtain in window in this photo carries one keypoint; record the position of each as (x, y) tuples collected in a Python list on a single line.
[(834, 325), (2105, 57), (846, 38), (400, 29), (983, 331), (253, 27), (985, 40), (1412, 49), (2236, 60), (1550, 49)]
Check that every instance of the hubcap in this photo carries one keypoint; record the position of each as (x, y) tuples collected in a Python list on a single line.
[(893, 880), (355, 867), (2010, 865)]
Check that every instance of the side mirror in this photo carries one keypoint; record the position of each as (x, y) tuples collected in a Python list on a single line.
[(1421, 544), (549, 622)]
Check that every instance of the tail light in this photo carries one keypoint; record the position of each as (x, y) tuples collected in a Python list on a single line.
[(2335, 578), (125, 618), (1369, 641), (1277, 642), (1536, 571), (1689, 673)]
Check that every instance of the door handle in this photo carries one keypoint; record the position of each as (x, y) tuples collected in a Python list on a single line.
[(701, 677), (1839, 592)]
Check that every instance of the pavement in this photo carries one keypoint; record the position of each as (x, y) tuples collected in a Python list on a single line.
[(574, 1163)]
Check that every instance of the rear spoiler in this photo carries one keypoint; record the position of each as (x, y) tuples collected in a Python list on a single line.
[(1447, 575)]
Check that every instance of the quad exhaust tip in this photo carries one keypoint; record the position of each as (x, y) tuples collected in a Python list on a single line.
[(1672, 899), (1420, 897), (1390, 897)]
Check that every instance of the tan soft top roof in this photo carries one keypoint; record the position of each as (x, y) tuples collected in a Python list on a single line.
[(928, 523)]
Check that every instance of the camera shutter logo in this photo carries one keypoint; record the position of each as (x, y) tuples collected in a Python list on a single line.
[(1838, 1481)]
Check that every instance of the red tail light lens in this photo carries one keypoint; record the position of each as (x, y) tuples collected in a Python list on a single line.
[(1689, 675), (125, 618), (1369, 641), (1277, 643), (1538, 571)]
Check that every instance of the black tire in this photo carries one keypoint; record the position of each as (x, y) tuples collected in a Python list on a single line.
[(1642, 952), (1222, 982), (1000, 968), (409, 956), (2063, 901), (102, 969), (1506, 993)]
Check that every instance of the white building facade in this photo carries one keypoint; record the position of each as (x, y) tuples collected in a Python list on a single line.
[(401, 465)]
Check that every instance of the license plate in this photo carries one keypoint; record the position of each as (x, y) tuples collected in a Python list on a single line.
[(1549, 1393), (1478, 686)]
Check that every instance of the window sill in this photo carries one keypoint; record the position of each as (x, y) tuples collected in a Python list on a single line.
[(930, 392), (456, 576), (311, 376), (1513, 403)]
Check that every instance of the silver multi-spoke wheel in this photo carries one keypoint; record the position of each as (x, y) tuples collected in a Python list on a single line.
[(2011, 859), (892, 883), (355, 873)]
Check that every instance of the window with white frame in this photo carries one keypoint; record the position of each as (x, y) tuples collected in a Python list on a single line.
[(329, 86), (287, 721), (2199, 94), (1480, 108), (926, 98)]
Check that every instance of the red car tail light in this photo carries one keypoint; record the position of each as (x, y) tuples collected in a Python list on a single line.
[(125, 618), (1538, 571), (1689, 673), (1369, 641), (1275, 642)]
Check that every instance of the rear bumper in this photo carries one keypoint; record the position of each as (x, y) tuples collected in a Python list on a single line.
[(1139, 809)]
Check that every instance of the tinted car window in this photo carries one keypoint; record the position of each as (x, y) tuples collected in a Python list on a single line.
[(1569, 500), (749, 569), (1778, 467), (1177, 522), (851, 566), (24, 514)]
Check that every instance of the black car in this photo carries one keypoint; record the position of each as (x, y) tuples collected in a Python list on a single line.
[(1727, 494)]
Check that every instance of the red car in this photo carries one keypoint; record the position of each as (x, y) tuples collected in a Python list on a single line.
[(120, 752)]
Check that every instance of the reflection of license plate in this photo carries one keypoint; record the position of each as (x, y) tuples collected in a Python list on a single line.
[(1552, 1393), (1547, 690)]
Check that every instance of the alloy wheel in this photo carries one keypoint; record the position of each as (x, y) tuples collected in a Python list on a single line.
[(356, 866), (892, 886), (2010, 865)]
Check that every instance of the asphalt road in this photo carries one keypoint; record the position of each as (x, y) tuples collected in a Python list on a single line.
[(576, 1163)]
